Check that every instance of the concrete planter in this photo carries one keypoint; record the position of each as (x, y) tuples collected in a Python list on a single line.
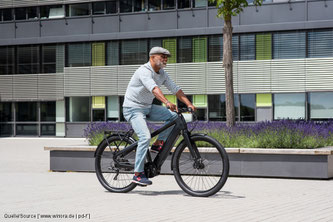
[(287, 163)]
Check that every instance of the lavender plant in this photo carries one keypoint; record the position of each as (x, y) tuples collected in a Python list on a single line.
[(276, 134)]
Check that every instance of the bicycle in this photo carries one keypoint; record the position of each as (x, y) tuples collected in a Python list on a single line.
[(199, 171)]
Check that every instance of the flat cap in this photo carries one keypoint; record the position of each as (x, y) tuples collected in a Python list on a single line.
[(159, 50)]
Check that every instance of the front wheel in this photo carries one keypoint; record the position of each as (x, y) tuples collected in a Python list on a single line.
[(205, 176)]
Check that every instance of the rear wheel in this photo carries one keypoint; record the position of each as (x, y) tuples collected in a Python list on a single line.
[(203, 177), (110, 175)]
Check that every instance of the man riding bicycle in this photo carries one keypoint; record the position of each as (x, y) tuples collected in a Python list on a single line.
[(143, 87)]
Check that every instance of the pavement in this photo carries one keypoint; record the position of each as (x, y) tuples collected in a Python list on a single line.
[(29, 192)]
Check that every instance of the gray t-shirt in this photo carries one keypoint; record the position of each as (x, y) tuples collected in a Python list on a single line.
[(139, 90)]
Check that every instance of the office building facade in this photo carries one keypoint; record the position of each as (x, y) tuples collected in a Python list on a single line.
[(64, 64)]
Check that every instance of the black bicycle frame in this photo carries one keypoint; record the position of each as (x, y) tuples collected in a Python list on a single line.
[(180, 127)]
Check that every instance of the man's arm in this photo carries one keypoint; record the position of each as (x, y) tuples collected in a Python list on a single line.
[(182, 97), (160, 96)]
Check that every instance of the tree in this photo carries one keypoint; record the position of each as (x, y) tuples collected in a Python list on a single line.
[(227, 9)]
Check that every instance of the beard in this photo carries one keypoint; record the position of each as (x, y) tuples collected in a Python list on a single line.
[(160, 64)]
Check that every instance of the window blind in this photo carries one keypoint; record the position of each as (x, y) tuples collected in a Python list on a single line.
[(264, 46), (320, 44), (247, 47), (98, 54), (199, 52), (79, 54), (171, 45), (134, 52), (185, 49), (113, 53), (289, 45)]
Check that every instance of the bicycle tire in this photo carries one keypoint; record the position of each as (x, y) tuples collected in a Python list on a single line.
[(106, 169), (189, 175)]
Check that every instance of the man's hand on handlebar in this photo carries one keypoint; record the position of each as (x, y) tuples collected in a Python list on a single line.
[(193, 108), (172, 107)]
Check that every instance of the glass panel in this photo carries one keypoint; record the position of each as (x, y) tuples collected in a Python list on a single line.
[(98, 8), (27, 59), (78, 10), (6, 129), (32, 13), (113, 53), (60, 129), (98, 102), (79, 54), (54, 11), (199, 3), (212, 3), (125, 6), (26, 111), (113, 108), (111, 7), (264, 100), (215, 48), (154, 5), (48, 111), (217, 109), (199, 49), (171, 98), (171, 45), (263, 46), (156, 42), (320, 44), (98, 54), (290, 45), (169, 4), (48, 129), (20, 14), (247, 107), (7, 60), (235, 47), (60, 111), (60, 58), (200, 100), (7, 14), (134, 52), (185, 49), (139, 5), (6, 112), (49, 55), (79, 109), (202, 114), (247, 47), (184, 4), (121, 116), (98, 114), (26, 130), (321, 105), (289, 106)]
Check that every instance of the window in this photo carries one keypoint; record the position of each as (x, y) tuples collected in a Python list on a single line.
[(26, 111), (98, 108), (185, 49), (247, 47), (78, 109), (263, 46), (199, 49), (139, 5), (171, 45), (321, 105), (216, 48), (112, 51), (184, 4), (217, 109), (48, 111), (6, 112), (134, 52), (7, 14), (26, 130), (20, 14), (247, 107), (320, 44), (78, 10), (98, 54), (53, 11), (7, 60), (169, 4), (112, 108), (6, 129), (289, 106), (125, 6), (181, 104), (199, 3), (154, 5), (28, 59), (48, 129), (210, 3), (79, 54), (111, 7), (49, 60), (98, 8), (289, 45), (32, 13)]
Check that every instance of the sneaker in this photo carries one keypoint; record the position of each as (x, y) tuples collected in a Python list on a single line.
[(142, 180), (156, 148)]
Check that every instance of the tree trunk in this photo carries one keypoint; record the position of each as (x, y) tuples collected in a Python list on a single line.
[(227, 63)]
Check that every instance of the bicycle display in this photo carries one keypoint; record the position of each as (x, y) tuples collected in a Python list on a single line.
[(199, 163)]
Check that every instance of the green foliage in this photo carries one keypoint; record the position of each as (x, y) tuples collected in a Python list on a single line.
[(232, 7)]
